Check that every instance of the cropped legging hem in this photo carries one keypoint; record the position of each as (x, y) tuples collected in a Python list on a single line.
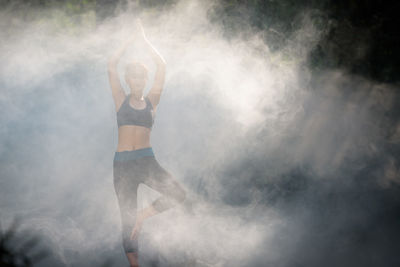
[(140, 166)]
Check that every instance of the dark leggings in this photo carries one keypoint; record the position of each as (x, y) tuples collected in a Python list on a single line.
[(140, 166)]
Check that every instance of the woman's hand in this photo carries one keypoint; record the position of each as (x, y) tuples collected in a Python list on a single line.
[(138, 34)]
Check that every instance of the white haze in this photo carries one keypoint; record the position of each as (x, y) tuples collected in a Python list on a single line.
[(223, 101)]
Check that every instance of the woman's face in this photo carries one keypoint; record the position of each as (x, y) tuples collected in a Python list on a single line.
[(136, 78)]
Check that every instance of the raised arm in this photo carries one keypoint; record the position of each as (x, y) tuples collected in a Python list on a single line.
[(116, 88), (155, 92)]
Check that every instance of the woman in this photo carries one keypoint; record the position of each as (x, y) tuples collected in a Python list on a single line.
[(134, 161)]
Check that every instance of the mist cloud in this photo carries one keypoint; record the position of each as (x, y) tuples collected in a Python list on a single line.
[(277, 159)]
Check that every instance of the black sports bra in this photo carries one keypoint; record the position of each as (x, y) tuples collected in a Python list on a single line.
[(127, 115)]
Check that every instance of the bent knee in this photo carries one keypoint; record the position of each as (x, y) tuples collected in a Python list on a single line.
[(181, 195)]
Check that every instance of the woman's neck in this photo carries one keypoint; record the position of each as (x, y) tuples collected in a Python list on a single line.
[(136, 98), (136, 101)]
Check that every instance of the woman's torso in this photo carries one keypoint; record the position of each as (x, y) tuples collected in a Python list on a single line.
[(131, 136)]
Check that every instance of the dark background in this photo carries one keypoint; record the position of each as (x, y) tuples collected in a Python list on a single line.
[(351, 220)]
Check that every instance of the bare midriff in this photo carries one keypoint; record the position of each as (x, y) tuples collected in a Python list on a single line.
[(132, 137)]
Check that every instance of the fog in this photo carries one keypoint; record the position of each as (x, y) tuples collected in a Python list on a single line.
[(283, 167)]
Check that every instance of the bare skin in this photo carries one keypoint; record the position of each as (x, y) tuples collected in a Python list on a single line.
[(132, 137)]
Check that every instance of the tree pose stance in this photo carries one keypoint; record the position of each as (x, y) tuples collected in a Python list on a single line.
[(134, 160)]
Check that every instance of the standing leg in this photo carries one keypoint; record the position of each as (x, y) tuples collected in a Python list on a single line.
[(126, 191)]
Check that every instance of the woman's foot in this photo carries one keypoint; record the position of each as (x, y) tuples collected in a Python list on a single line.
[(140, 217), (138, 225), (133, 259)]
